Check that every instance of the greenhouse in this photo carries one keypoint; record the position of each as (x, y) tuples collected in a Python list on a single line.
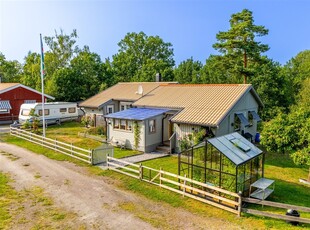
[(230, 162)]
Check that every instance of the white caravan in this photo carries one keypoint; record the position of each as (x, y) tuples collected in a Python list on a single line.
[(55, 112)]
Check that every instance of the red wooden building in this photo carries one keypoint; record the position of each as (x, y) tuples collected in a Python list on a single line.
[(12, 96)]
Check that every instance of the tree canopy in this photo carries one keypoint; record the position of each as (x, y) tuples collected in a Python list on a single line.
[(188, 71), (238, 44), (140, 57)]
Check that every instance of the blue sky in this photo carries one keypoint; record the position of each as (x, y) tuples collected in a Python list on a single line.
[(190, 25)]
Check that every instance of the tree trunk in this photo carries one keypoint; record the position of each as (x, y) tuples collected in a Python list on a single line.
[(245, 61)]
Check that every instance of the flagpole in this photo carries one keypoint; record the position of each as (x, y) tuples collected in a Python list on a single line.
[(42, 82)]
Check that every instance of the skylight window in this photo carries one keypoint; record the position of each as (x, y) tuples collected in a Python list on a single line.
[(238, 143)]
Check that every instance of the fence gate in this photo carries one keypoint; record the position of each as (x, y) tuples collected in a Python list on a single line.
[(100, 154)]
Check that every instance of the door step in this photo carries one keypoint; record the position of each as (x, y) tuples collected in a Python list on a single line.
[(163, 149)]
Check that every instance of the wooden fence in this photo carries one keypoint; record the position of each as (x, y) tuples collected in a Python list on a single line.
[(64, 148), (209, 194), (277, 205)]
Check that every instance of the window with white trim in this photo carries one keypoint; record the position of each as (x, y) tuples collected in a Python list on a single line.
[(124, 106), (72, 110), (110, 109), (116, 124), (63, 110), (129, 125), (152, 124), (122, 124)]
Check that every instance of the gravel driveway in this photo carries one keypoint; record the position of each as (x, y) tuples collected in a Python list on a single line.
[(96, 200)]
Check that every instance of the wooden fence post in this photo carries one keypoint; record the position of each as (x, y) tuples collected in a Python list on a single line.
[(184, 190), (140, 171), (160, 176), (92, 156), (240, 203)]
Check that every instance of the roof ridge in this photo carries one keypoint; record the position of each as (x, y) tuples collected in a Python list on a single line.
[(198, 85)]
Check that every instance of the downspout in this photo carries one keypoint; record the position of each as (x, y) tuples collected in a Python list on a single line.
[(162, 128), (107, 126)]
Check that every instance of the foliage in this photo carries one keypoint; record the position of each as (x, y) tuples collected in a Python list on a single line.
[(140, 57), (291, 132), (10, 71), (137, 134), (217, 71), (238, 44), (297, 70), (31, 71), (87, 121), (33, 122), (99, 130), (191, 139), (188, 71), (80, 80), (273, 88), (62, 49)]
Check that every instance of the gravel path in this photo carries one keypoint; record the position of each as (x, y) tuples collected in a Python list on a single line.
[(98, 203)]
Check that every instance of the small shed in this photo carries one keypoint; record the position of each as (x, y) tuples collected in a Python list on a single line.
[(230, 162)]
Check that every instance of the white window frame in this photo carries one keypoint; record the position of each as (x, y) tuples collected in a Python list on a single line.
[(110, 107), (152, 128), (125, 104)]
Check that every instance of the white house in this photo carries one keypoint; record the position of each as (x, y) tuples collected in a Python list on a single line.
[(187, 108)]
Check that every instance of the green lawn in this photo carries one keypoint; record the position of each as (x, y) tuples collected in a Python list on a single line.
[(278, 167)]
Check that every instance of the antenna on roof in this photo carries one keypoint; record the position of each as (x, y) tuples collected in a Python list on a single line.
[(140, 90)]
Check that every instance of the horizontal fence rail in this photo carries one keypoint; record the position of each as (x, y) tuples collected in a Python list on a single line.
[(277, 205), (179, 184), (64, 148)]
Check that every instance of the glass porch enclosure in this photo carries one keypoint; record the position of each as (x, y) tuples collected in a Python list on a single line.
[(229, 162)]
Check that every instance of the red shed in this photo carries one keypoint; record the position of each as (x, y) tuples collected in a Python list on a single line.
[(12, 96)]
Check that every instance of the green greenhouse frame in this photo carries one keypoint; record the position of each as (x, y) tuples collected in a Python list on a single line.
[(230, 162)]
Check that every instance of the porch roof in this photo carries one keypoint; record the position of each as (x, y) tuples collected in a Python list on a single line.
[(235, 147), (138, 114)]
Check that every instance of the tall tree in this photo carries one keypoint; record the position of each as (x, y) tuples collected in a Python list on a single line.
[(140, 57), (10, 71), (62, 49), (80, 80), (188, 71), (217, 71), (31, 71), (297, 70), (238, 44)]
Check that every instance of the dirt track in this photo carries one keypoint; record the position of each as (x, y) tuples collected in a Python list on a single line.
[(97, 203)]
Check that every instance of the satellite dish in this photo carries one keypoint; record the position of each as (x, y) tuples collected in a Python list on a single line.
[(140, 90)]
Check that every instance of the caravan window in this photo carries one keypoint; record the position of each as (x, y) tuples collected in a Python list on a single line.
[(25, 112), (63, 110), (46, 112), (72, 110)]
